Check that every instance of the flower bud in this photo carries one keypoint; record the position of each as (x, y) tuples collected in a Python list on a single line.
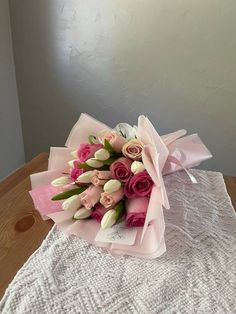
[(137, 166), (85, 177), (82, 213), (71, 163), (109, 219), (102, 154), (71, 203), (112, 185), (94, 163), (61, 181), (74, 154)]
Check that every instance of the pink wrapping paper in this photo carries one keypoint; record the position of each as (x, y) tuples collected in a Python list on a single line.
[(58, 158), (42, 200), (159, 157)]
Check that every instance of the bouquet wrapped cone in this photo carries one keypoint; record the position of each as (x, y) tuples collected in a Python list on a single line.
[(112, 182)]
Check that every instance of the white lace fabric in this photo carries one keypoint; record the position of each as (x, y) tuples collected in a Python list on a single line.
[(197, 274)]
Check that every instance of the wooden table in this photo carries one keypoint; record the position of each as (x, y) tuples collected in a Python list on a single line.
[(21, 228)]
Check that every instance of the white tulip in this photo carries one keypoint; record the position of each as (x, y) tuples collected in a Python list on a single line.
[(137, 166), (85, 177), (109, 219), (71, 203), (112, 185), (82, 213), (102, 154), (61, 181), (74, 154), (94, 163), (71, 163)]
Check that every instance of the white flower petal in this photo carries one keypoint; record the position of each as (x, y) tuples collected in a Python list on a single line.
[(85, 177), (61, 181), (71, 163), (102, 154), (126, 130), (112, 185), (94, 163), (71, 203), (74, 154), (109, 219), (137, 166), (82, 213)]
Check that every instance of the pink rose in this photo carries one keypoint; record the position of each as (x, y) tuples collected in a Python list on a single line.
[(136, 210), (99, 212), (133, 149), (110, 199), (86, 151), (100, 177), (90, 196), (139, 185), (121, 169), (76, 171), (115, 139)]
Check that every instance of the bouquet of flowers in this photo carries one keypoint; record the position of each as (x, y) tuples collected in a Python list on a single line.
[(107, 186)]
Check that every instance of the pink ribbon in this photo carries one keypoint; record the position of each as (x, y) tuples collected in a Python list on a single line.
[(177, 162)]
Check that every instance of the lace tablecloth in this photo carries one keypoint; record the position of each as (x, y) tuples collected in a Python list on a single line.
[(197, 274)]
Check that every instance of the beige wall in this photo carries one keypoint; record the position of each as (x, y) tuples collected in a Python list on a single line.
[(172, 60), (11, 142)]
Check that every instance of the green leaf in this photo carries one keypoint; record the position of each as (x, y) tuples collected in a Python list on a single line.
[(108, 146), (105, 167), (108, 162), (85, 166), (120, 209), (116, 155), (92, 139), (67, 194)]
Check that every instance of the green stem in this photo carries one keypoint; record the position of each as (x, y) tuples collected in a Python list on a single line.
[(120, 210), (67, 194)]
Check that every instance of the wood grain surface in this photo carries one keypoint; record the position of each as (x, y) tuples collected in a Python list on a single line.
[(21, 228), (230, 183)]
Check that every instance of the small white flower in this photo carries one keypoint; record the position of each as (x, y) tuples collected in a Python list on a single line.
[(126, 130), (109, 219), (71, 203), (137, 166), (74, 154), (94, 163), (61, 181), (71, 163), (112, 185), (82, 213), (85, 177), (102, 154)]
